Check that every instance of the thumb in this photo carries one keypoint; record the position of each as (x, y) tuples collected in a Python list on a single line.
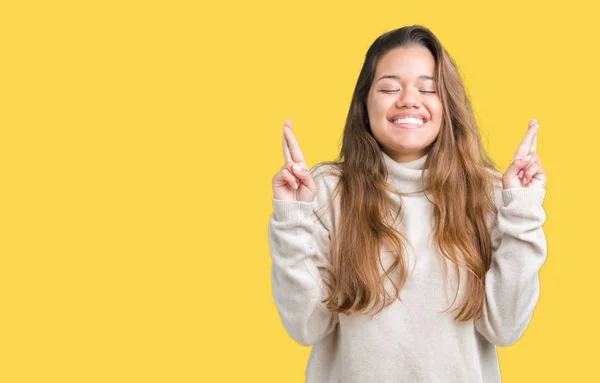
[(305, 177), (515, 166)]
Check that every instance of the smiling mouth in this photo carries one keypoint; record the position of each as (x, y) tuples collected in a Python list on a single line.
[(408, 123)]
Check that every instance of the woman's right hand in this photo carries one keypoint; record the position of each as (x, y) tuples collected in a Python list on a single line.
[(293, 182)]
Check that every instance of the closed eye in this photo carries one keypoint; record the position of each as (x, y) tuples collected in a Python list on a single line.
[(397, 90)]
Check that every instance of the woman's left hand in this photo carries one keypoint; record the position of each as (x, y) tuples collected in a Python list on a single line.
[(525, 170)]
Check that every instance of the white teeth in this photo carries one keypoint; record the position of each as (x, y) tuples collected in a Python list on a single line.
[(409, 120)]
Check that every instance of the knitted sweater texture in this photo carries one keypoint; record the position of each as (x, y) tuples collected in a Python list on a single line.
[(411, 340)]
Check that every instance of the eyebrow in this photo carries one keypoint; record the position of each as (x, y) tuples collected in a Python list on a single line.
[(398, 77)]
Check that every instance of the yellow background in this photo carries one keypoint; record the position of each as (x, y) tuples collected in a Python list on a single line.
[(139, 139)]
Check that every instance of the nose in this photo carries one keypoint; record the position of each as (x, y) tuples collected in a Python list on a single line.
[(409, 98)]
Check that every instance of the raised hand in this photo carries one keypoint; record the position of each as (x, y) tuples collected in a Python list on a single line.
[(293, 182), (525, 170)]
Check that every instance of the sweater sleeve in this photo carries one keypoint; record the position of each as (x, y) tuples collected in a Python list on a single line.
[(299, 244), (512, 286)]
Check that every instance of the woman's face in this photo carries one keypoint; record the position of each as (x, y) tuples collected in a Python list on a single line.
[(405, 112)]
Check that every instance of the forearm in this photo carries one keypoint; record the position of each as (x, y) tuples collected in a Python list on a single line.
[(512, 286), (296, 281)]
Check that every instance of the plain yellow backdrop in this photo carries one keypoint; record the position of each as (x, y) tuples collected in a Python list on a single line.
[(139, 139)]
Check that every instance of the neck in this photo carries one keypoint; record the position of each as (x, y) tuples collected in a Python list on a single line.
[(406, 176)]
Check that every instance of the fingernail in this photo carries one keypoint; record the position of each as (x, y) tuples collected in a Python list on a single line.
[(297, 168), (527, 158), (295, 185), (518, 158)]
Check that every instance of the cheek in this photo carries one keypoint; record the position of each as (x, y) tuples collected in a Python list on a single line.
[(378, 107), (435, 110)]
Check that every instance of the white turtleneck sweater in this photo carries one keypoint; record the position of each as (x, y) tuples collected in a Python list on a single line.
[(409, 341)]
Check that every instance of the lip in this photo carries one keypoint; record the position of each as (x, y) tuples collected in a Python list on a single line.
[(408, 126), (412, 115)]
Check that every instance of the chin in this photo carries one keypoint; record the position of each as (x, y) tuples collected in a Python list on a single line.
[(409, 149)]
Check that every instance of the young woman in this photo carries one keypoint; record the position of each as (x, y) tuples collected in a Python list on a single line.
[(410, 257)]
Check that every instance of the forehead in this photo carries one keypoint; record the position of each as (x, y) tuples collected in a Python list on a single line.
[(412, 61)]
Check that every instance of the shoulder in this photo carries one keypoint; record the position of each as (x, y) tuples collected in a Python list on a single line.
[(494, 173), (496, 181), (326, 174)]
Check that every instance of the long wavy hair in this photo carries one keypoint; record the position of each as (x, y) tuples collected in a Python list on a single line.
[(460, 184)]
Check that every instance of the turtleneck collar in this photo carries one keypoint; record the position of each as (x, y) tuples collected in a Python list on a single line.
[(406, 176)]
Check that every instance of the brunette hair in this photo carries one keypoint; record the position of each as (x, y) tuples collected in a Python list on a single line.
[(460, 185)]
